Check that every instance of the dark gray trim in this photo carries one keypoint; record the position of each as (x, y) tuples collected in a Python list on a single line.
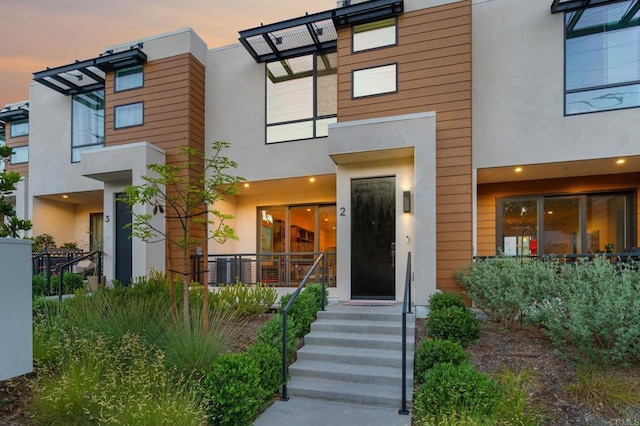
[(572, 5)]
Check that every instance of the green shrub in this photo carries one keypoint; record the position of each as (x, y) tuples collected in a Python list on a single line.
[(233, 390), (454, 323), (269, 360), (450, 388), (38, 285), (597, 318), (271, 334), (432, 352), (304, 309), (505, 288), (245, 300), (71, 282), (444, 300)]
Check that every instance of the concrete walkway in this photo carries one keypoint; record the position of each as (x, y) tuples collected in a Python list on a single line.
[(307, 412)]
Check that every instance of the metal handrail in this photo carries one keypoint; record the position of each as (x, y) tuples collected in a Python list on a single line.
[(285, 312), (406, 309), (61, 266)]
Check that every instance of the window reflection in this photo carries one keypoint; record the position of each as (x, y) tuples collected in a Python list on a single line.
[(375, 81), (374, 34)]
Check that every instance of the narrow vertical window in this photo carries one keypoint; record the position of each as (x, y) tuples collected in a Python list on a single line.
[(87, 122)]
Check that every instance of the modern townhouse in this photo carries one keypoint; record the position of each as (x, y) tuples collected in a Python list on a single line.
[(444, 128)]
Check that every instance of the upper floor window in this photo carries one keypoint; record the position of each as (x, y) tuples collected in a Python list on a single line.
[(602, 48), (375, 80), (20, 155), (2, 141), (301, 97), (128, 115), (374, 34), (87, 122), (19, 128), (129, 78)]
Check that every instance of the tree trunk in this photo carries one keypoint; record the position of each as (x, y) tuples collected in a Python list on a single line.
[(185, 290)]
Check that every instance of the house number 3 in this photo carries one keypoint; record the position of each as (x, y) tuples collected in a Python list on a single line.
[(107, 219)]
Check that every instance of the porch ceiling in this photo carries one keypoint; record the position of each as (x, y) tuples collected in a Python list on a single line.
[(601, 166), (82, 197), (322, 183)]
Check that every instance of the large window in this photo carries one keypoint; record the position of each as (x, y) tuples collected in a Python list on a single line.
[(2, 142), (603, 58), (87, 122), (128, 115), (373, 35), (591, 223), (19, 128), (20, 155), (301, 97), (129, 78), (375, 80)]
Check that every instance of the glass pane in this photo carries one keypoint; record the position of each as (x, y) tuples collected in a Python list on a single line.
[(374, 34), (290, 132), (322, 126), (20, 155), (327, 226), (19, 128), (129, 78), (562, 226), (603, 99), (606, 223), (290, 90), (96, 231), (327, 85), (128, 115), (88, 119), (520, 227), (2, 140), (302, 228), (374, 81), (272, 230)]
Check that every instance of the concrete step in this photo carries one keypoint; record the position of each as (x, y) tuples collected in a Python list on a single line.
[(365, 315), (347, 355), (354, 393), (367, 341), (361, 327), (350, 373)]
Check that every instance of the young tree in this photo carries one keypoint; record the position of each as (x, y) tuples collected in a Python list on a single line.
[(186, 194), (10, 224)]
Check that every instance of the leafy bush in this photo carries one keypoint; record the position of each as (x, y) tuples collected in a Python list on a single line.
[(304, 309), (271, 334), (71, 282), (444, 300), (597, 317), (244, 299), (269, 360), (505, 288), (450, 388), (432, 352), (234, 390), (453, 323), (39, 285)]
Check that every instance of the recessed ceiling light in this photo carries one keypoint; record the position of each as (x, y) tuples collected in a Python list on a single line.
[(246, 185), (518, 169), (65, 196), (312, 179), (621, 161)]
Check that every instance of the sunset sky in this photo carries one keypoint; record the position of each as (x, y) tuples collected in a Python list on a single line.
[(48, 33)]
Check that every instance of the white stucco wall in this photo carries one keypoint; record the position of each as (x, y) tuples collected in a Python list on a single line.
[(54, 218), (518, 93), (16, 333), (235, 94)]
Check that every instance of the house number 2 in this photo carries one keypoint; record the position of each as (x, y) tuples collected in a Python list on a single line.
[(342, 211)]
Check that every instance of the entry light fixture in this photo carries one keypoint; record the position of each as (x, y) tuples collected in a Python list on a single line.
[(406, 201)]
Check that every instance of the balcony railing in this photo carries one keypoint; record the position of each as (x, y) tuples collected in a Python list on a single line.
[(276, 269)]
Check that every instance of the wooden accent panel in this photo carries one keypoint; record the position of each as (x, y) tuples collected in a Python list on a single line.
[(434, 74), (22, 168), (174, 100), (489, 193)]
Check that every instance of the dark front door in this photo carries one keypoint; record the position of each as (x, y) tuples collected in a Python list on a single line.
[(373, 230), (124, 250)]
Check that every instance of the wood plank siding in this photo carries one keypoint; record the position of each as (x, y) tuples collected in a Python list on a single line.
[(489, 193), (21, 168), (434, 74), (173, 95)]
